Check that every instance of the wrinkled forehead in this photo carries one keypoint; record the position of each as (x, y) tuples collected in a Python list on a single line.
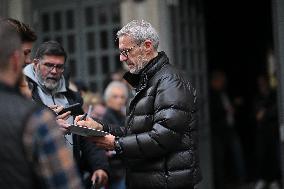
[(55, 59), (125, 41)]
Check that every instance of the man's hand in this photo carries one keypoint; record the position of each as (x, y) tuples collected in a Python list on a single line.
[(57, 109), (63, 125), (99, 178), (89, 122), (64, 116), (106, 142)]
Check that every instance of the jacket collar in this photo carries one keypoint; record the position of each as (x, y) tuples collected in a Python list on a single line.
[(139, 81), (7, 88)]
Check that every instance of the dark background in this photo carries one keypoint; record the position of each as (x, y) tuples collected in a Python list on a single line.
[(239, 34)]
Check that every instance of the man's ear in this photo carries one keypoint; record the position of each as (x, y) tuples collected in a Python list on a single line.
[(148, 44), (35, 62), (16, 61)]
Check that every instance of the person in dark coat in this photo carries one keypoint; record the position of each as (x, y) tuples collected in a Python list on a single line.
[(267, 147), (115, 96), (227, 153), (159, 140)]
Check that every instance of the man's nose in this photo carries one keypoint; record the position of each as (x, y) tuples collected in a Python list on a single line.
[(122, 58), (54, 70), (28, 60)]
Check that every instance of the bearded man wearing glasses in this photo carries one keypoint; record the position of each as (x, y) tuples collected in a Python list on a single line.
[(50, 88)]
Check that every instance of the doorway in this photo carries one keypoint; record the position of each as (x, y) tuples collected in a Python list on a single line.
[(239, 38)]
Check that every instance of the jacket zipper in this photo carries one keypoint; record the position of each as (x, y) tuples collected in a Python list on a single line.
[(52, 97)]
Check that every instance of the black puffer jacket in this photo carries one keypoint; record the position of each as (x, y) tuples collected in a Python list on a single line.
[(160, 146)]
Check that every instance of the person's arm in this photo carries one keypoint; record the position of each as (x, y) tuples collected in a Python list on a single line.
[(174, 116), (46, 150), (101, 125)]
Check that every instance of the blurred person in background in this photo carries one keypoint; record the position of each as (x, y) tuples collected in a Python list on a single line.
[(92, 99), (118, 76), (82, 87), (95, 100), (227, 153), (28, 37), (115, 97), (32, 151), (267, 145)]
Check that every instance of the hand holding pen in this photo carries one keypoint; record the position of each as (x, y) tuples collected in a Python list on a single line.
[(86, 121), (87, 114), (83, 118)]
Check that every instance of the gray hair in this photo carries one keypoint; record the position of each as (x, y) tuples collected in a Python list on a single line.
[(115, 84), (10, 42), (140, 30), (52, 48)]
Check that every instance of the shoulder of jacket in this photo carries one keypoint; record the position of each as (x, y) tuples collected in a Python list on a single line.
[(74, 96)]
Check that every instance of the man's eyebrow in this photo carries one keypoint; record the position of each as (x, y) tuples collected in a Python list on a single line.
[(52, 63), (122, 49), (27, 50), (49, 63)]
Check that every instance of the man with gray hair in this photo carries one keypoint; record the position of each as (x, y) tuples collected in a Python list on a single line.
[(115, 96), (159, 141), (32, 151), (115, 86)]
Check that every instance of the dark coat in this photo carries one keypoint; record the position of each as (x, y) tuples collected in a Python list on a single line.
[(17, 171), (116, 119), (88, 156), (160, 142)]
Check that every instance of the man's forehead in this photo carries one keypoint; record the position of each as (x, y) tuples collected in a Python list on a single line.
[(27, 45), (54, 58), (125, 40), (117, 89)]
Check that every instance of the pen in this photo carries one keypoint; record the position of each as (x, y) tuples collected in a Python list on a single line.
[(90, 109), (83, 117), (87, 114)]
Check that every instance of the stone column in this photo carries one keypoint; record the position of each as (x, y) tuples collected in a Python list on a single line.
[(3, 8), (20, 10), (278, 23)]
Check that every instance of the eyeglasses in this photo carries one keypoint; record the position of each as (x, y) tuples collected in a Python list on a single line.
[(125, 52), (51, 66)]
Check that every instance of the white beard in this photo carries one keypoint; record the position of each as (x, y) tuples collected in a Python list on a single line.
[(47, 83), (141, 63)]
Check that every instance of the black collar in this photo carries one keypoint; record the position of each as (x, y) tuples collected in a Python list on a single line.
[(10, 89), (148, 71)]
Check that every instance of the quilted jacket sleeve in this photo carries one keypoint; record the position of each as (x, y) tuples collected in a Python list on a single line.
[(174, 106)]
